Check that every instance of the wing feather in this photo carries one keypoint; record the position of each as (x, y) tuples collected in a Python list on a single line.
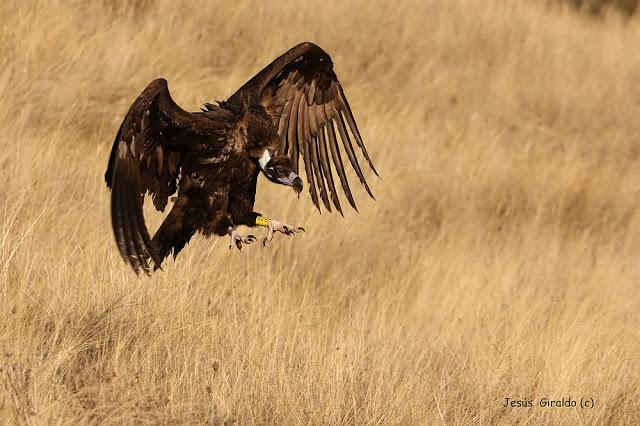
[(292, 131), (137, 254), (337, 162), (306, 155), (346, 142), (128, 247), (117, 212), (326, 171), (318, 171), (310, 140), (283, 124)]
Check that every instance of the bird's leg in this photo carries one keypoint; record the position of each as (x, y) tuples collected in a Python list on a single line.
[(238, 239), (276, 226)]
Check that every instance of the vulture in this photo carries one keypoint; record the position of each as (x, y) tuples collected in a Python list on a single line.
[(294, 108)]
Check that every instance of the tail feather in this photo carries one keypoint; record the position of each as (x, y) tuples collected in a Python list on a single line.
[(169, 243), (174, 233)]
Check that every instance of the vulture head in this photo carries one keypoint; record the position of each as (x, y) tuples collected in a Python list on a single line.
[(278, 169)]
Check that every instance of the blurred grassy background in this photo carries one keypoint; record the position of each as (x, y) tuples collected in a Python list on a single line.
[(500, 260)]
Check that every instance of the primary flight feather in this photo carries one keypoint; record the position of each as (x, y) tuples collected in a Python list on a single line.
[(294, 108)]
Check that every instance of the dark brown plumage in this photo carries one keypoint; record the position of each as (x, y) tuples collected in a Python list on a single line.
[(295, 107)]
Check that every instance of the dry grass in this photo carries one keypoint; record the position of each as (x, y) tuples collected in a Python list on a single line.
[(501, 259)]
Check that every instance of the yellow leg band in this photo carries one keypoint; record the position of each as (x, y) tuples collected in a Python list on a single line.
[(262, 221)]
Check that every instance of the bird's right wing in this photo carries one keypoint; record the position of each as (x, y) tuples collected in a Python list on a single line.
[(146, 158)]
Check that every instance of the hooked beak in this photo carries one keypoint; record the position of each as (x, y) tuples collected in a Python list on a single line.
[(292, 180), (297, 185)]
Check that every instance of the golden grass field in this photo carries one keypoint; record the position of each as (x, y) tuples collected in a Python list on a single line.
[(501, 258)]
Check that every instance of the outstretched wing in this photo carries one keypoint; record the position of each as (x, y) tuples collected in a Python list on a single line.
[(145, 158), (312, 115)]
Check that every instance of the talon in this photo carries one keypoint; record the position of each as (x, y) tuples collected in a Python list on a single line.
[(238, 239), (264, 242), (284, 228)]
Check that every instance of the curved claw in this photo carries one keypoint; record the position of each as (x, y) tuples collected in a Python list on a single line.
[(277, 226), (238, 240)]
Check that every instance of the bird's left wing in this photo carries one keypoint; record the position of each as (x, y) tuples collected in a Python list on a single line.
[(312, 115)]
